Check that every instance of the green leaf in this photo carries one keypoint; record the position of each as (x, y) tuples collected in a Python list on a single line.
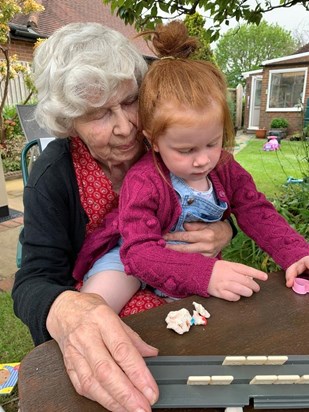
[(164, 7)]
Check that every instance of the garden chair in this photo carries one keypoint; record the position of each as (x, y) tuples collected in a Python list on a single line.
[(31, 129), (37, 139)]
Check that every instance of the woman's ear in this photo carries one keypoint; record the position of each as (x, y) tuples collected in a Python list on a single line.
[(148, 137)]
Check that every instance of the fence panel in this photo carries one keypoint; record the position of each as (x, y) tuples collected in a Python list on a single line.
[(17, 92)]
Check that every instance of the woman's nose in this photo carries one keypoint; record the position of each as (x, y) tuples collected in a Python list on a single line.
[(122, 125)]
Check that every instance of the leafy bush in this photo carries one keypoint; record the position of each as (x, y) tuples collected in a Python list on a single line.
[(302, 157), (279, 123), (11, 147), (292, 204), (232, 107), (296, 137)]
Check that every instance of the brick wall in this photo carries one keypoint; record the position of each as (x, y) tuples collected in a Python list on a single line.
[(23, 49), (295, 119)]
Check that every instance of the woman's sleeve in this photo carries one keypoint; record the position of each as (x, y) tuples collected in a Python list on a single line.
[(52, 235)]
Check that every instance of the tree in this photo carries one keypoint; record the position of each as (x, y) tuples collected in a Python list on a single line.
[(195, 24), (147, 13), (9, 65), (244, 48), (301, 34)]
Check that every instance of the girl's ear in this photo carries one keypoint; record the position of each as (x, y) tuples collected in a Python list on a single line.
[(155, 148), (148, 137)]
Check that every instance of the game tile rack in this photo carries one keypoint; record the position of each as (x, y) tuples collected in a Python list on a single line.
[(266, 382)]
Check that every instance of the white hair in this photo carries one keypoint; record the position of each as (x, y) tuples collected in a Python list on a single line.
[(81, 66)]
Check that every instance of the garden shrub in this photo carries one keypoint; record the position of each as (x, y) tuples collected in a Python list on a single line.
[(11, 147), (292, 204), (279, 122), (232, 108)]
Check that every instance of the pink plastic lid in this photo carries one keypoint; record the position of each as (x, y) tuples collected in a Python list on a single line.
[(301, 286)]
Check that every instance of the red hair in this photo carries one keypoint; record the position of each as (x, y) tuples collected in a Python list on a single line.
[(176, 81)]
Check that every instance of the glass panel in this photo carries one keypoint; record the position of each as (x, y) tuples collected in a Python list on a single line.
[(286, 89), (257, 96)]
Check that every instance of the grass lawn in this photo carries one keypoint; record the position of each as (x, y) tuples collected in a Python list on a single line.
[(15, 343), (270, 170)]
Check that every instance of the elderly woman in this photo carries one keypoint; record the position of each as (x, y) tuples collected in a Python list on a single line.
[(87, 77)]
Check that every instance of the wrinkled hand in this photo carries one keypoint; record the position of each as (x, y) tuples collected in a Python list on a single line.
[(102, 355), (206, 238), (298, 268), (231, 281)]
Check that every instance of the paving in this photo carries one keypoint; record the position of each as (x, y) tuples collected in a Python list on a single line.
[(9, 229), (9, 232)]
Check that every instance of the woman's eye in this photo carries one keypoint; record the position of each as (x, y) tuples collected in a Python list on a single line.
[(97, 115), (129, 102)]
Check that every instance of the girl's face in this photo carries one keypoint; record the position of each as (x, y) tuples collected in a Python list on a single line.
[(191, 152), (110, 131)]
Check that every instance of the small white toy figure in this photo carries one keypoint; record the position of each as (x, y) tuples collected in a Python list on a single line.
[(272, 144)]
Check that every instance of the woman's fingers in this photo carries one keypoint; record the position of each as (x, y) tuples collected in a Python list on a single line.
[(205, 238), (110, 371), (86, 385), (126, 355)]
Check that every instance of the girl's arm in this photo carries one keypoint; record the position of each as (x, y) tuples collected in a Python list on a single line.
[(259, 219)]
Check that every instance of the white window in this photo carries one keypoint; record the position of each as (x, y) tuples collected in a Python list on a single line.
[(286, 89)]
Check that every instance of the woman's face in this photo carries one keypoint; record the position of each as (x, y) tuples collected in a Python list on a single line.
[(110, 131)]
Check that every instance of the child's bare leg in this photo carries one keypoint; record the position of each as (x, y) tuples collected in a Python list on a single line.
[(115, 287)]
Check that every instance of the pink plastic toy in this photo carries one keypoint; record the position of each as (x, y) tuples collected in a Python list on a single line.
[(272, 144), (301, 286)]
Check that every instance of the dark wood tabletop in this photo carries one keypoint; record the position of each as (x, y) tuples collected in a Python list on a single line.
[(271, 322)]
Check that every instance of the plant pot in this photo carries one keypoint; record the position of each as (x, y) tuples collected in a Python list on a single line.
[(280, 132), (260, 133)]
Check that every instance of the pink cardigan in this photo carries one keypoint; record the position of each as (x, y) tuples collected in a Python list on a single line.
[(149, 208)]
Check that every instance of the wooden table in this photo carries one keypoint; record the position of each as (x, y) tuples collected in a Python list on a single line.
[(272, 322)]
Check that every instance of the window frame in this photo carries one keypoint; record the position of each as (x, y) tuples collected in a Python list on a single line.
[(280, 71)]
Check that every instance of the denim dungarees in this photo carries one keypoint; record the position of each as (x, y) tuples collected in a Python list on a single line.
[(195, 208)]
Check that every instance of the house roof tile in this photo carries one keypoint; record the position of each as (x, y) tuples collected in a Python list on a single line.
[(58, 13)]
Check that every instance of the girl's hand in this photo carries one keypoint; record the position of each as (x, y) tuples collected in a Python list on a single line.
[(231, 281), (102, 355), (206, 238), (298, 268)]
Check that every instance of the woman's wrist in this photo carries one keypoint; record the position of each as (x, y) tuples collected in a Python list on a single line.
[(56, 312), (233, 226), (68, 309)]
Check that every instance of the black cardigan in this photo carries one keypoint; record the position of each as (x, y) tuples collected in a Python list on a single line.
[(53, 233)]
